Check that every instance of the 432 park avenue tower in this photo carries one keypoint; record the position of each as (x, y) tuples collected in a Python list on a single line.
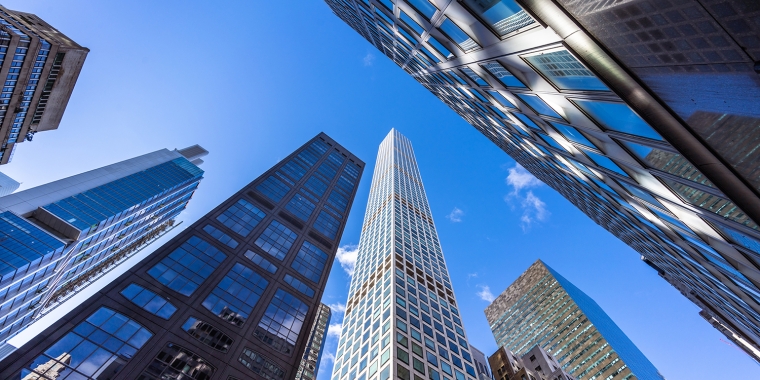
[(401, 316)]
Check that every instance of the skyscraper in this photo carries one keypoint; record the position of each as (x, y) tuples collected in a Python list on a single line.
[(7, 185), (309, 366), (642, 113), (534, 364), (543, 308), (230, 297), (481, 364), (39, 66), (59, 237), (401, 317)]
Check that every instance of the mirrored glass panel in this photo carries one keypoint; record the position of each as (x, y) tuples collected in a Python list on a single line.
[(617, 117), (503, 75), (538, 105), (572, 134), (207, 334), (458, 35), (425, 8), (177, 362), (503, 16), (417, 28), (666, 161), (440, 48), (565, 72), (710, 202), (474, 76), (501, 99), (605, 162)]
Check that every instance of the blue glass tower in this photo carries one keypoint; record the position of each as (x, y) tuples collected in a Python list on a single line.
[(543, 308), (57, 238)]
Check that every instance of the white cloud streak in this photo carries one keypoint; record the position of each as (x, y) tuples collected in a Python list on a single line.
[(533, 208), (485, 293), (455, 215), (334, 330), (347, 256), (368, 59), (337, 308)]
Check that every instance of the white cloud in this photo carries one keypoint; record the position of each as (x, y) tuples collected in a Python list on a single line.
[(369, 59), (347, 256), (485, 293), (455, 215), (533, 208), (337, 308), (327, 357), (334, 330)]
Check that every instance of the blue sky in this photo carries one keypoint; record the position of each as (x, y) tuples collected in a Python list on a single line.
[(251, 81)]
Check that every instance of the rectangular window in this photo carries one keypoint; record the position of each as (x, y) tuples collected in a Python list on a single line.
[(474, 76), (300, 206), (236, 294), (564, 71), (327, 224), (242, 217), (207, 334), (149, 301), (273, 188), (261, 261), (538, 105), (276, 240), (90, 348), (188, 266), (503, 75), (282, 322), (221, 236), (310, 262), (261, 365), (425, 7), (178, 362), (458, 35), (316, 186), (298, 285), (411, 23), (617, 117), (294, 170)]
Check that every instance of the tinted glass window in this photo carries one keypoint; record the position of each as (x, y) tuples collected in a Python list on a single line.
[(221, 236), (261, 261), (501, 99), (241, 217), (207, 334), (411, 23), (273, 188), (276, 240), (605, 162), (236, 294), (310, 261), (503, 75), (282, 322), (572, 134), (440, 48), (260, 365), (458, 35), (565, 72), (538, 105), (177, 362), (504, 16), (668, 162), (426, 8), (149, 301), (300, 206), (617, 117), (298, 285), (188, 266), (327, 224)]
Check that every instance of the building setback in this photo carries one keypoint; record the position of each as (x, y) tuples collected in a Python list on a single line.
[(536, 364), (58, 238), (642, 113), (541, 308), (481, 364), (39, 66), (309, 366), (401, 319), (230, 297)]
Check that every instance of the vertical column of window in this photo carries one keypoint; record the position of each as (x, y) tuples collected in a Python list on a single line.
[(185, 268), (13, 72), (177, 362), (31, 87), (282, 322), (236, 295)]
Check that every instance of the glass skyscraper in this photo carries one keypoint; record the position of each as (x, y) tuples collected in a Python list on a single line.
[(57, 238), (230, 297), (401, 319), (543, 308), (309, 366), (642, 113)]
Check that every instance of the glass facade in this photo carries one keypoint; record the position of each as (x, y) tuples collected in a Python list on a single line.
[(526, 89), (543, 308), (234, 294), (401, 316), (309, 366)]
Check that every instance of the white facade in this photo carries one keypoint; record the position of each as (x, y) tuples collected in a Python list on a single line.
[(401, 317)]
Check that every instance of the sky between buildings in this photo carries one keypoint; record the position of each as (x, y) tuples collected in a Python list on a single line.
[(252, 81)]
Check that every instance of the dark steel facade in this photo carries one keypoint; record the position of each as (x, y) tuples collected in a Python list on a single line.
[(230, 297), (642, 113)]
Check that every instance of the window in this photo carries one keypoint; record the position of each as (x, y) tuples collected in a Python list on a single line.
[(298, 285), (149, 301), (337, 200), (605, 162), (426, 8), (503, 75), (327, 224), (236, 295), (207, 334), (310, 261), (177, 362), (300, 206), (411, 23), (573, 134), (294, 170), (91, 347), (282, 322), (564, 71), (617, 117), (440, 48), (316, 186), (273, 188), (458, 35), (501, 99), (474, 76), (221, 236), (261, 261), (261, 365), (551, 141), (242, 217), (276, 240), (666, 161), (538, 105), (188, 266)]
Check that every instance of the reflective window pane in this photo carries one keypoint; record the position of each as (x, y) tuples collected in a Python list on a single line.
[(474, 76), (261, 261), (276, 240), (503, 75), (538, 105), (710, 202), (504, 16), (527, 121), (417, 28), (298, 285), (565, 72), (440, 48), (310, 261), (149, 301), (241, 217), (551, 141), (273, 188), (236, 295), (617, 117), (300, 206), (572, 134), (221, 236), (282, 322), (177, 362), (188, 266), (501, 99), (327, 225), (458, 35), (260, 365), (207, 334), (605, 162), (426, 8), (667, 161)]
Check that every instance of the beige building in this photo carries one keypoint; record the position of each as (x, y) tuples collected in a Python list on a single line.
[(536, 364)]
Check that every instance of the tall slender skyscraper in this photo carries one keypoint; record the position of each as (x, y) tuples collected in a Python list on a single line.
[(541, 308), (57, 238), (642, 113), (309, 366), (401, 317), (39, 67), (230, 297)]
